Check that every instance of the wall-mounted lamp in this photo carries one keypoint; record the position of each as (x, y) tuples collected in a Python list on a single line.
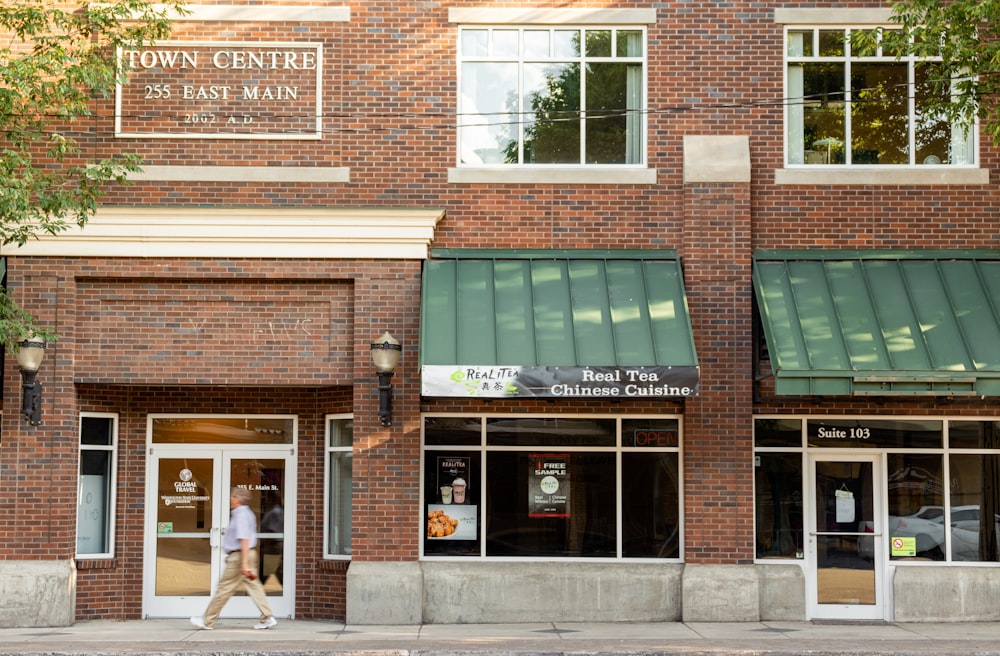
[(385, 354), (30, 353)]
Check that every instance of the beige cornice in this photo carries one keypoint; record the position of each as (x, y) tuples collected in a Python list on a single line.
[(550, 16), (338, 233), (260, 13)]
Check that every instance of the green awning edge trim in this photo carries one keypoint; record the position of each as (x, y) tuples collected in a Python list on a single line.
[(875, 254), (787, 333)]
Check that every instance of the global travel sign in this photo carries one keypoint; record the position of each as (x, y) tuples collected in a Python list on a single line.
[(496, 381)]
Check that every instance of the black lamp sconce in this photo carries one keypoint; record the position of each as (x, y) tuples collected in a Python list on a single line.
[(30, 354), (385, 354)]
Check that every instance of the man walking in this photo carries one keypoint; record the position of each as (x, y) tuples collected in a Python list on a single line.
[(240, 545)]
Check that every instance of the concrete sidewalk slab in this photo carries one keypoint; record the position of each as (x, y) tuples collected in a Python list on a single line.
[(176, 637)]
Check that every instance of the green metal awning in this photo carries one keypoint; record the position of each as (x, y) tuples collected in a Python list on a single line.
[(555, 323), (881, 323)]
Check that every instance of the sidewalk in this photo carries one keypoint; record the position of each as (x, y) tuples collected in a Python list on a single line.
[(307, 638)]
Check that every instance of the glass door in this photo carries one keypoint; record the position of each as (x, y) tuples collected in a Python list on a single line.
[(845, 551), (187, 516)]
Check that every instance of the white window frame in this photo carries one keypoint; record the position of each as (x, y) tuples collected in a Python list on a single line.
[(945, 451), (112, 483), (483, 448), (327, 451), (617, 19), (906, 174)]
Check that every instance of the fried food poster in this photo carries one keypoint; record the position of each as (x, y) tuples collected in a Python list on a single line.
[(548, 485)]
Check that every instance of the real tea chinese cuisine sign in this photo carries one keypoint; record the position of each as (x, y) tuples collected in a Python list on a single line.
[(558, 382), (249, 90)]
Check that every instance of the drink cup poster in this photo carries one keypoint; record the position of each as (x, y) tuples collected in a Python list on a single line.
[(548, 485)]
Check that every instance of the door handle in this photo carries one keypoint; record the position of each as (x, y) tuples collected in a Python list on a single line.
[(213, 537)]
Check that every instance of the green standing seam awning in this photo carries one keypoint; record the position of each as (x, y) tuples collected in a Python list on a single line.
[(603, 316), (881, 323)]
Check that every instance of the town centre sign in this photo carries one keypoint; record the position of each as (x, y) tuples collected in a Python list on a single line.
[(224, 90)]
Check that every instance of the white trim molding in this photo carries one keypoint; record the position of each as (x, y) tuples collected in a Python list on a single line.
[(551, 175), (552, 16), (260, 13), (831, 16), (336, 233), (905, 176)]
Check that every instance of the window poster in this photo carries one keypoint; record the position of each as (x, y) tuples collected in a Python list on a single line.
[(451, 522), (453, 479), (548, 485)]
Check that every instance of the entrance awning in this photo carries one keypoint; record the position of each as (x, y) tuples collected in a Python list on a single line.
[(555, 323), (881, 323)]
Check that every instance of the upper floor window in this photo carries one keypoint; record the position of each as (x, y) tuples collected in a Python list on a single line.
[(851, 105), (539, 95)]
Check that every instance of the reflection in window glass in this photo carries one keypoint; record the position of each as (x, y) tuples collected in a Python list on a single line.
[(778, 505), (223, 430), (975, 507), (915, 499), (854, 107), (533, 98)]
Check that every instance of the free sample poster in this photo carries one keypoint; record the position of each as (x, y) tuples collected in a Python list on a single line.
[(548, 485)]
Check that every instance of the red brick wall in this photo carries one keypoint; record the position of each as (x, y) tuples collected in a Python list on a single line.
[(389, 88)]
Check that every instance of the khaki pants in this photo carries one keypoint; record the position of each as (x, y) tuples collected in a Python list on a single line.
[(230, 581)]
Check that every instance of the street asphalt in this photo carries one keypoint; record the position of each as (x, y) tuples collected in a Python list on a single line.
[(309, 638)]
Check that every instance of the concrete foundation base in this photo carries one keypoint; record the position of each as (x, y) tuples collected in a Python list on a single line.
[(37, 593), (492, 592), (720, 593), (384, 593), (782, 593), (550, 591), (946, 594)]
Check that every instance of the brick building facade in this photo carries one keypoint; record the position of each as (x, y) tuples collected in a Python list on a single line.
[(306, 165)]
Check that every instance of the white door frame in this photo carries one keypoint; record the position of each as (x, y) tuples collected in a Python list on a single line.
[(221, 457), (882, 608)]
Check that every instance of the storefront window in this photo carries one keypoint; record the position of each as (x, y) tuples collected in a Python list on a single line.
[(939, 514), (339, 450), (975, 507), (95, 501), (552, 487), (915, 499), (778, 505)]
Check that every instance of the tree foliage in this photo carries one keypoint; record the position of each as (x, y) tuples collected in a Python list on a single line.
[(961, 39), (57, 60)]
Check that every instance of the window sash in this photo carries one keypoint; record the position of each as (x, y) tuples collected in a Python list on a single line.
[(510, 113), (825, 130), (338, 486), (97, 481)]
